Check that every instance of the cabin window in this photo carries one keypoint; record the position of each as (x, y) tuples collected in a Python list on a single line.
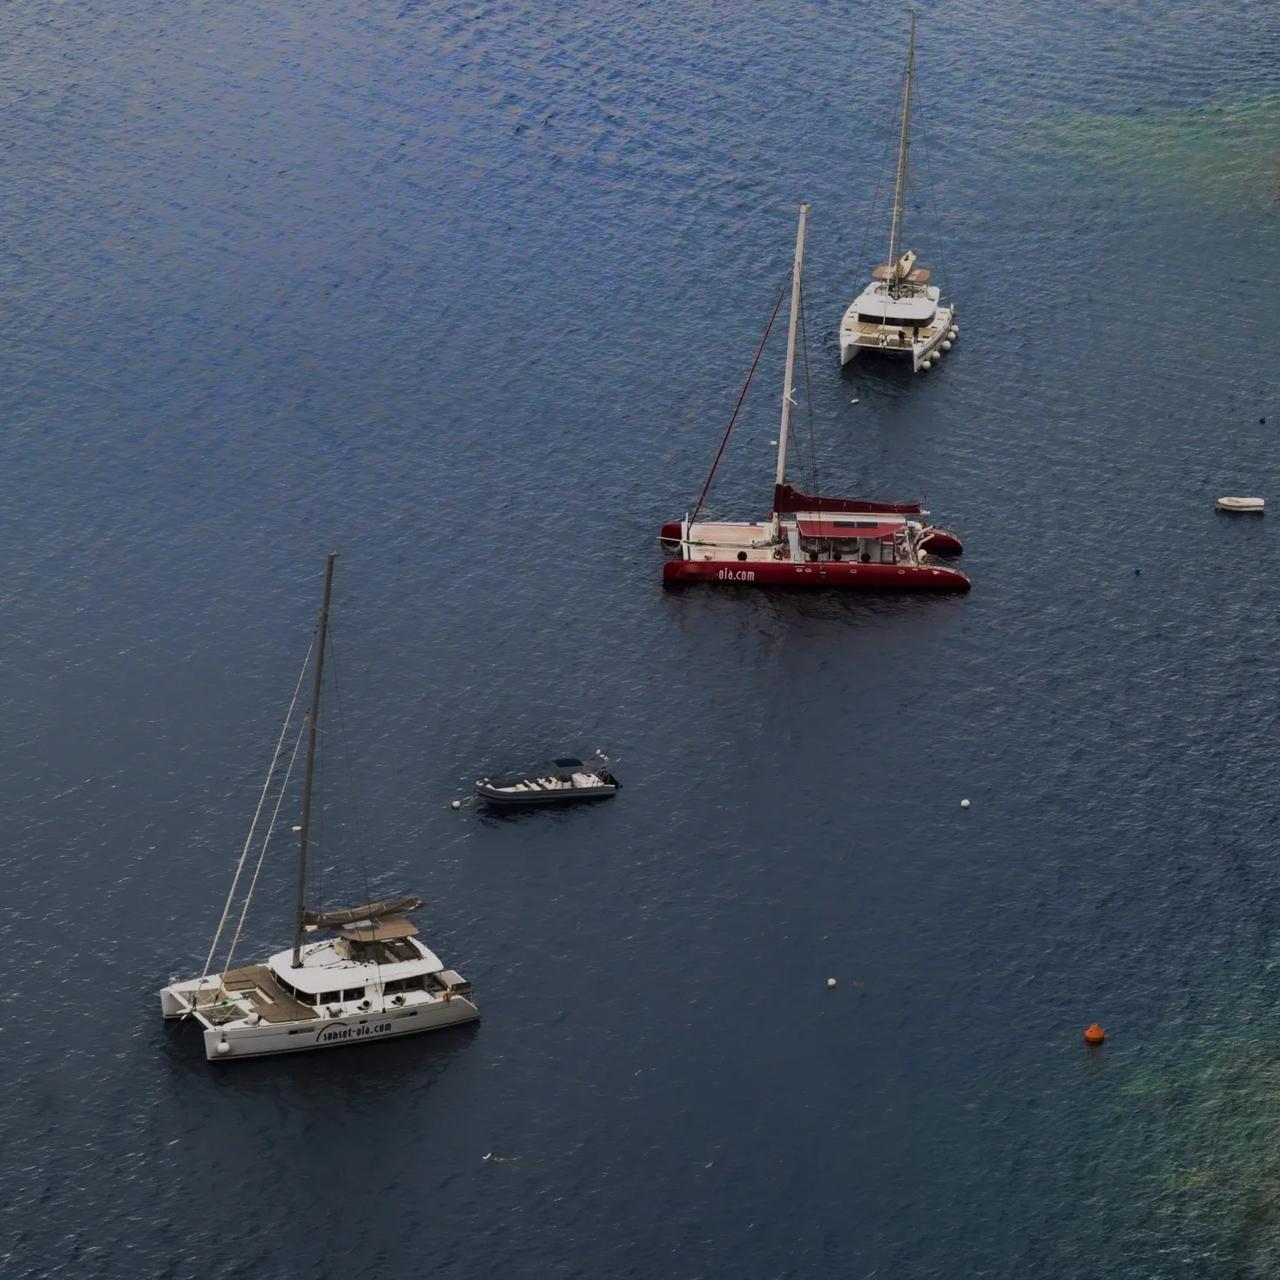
[(304, 997), (887, 554), (353, 993), (888, 322), (331, 997), (401, 984)]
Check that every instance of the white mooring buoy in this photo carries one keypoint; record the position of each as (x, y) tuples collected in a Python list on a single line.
[(831, 982), (964, 804), (457, 804)]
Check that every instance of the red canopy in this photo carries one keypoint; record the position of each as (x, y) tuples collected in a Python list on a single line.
[(845, 529)]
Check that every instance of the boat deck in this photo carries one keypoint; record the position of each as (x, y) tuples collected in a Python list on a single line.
[(890, 335), (729, 534), (872, 333), (256, 984)]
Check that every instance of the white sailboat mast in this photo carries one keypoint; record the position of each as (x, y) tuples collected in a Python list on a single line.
[(785, 426), (313, 725), (898, 224)]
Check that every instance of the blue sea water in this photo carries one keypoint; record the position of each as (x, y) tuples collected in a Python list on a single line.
[(466, 291)]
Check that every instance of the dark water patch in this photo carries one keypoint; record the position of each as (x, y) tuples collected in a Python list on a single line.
[(466, 291)]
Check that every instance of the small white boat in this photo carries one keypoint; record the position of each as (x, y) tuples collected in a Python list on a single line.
[(1255, 506)]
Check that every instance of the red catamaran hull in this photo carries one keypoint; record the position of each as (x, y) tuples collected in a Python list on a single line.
[(824, 573)]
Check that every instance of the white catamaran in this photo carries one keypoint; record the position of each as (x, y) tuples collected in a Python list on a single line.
[(369, 979), (900, 313)]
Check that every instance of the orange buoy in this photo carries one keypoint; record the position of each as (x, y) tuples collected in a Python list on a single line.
[(1094, 1034)]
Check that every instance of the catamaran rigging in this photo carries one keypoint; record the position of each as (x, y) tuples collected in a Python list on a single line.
[(372, 980)]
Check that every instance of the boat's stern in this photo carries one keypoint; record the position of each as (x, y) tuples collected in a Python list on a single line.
[(171, 1005), (935, 341), (942, 578), (179, 999), (849, 333), (940, 542)]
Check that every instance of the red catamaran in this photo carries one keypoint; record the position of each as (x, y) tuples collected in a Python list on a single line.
[(811, 541)]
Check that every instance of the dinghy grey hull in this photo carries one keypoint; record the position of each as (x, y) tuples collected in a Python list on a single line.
[(564, 795), (565, 780)]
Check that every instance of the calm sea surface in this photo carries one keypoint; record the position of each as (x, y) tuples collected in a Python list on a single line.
[(466, 291)]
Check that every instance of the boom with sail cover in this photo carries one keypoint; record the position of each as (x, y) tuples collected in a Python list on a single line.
[(352, 915)]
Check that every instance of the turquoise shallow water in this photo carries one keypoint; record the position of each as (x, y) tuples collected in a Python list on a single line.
[(466, 291)]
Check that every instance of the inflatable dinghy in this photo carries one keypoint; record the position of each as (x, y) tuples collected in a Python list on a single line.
[(564, 779)]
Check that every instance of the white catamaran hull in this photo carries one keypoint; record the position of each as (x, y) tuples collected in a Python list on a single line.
[(268, 1039), (887, 340)]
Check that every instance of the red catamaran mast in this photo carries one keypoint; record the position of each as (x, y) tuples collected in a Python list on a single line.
[(784, 428)]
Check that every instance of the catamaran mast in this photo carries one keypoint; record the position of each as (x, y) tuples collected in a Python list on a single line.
[(791, 349), (897, 226), (313, 721)]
